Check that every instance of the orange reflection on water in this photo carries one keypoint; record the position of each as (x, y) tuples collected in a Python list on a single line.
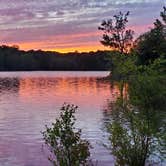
[(77, 90)]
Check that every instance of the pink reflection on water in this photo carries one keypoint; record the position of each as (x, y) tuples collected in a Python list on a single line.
[(29, 101)]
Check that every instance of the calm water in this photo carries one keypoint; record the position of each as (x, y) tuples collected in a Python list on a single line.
[(29, 100)]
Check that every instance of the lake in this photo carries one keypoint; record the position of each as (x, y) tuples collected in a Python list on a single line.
[(30, 100)]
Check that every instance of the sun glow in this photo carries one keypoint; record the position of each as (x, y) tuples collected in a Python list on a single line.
[(79, 42), (79, 49)]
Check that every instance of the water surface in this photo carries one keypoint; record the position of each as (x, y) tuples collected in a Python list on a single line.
[(29, 100)]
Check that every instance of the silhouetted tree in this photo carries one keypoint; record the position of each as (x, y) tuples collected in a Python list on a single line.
[(152, 44), (115, 34)]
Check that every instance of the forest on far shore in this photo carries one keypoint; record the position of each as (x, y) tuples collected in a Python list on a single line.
[(13, 59)]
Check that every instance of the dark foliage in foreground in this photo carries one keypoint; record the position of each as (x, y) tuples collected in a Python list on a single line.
[(136, 123), (152, 44), (64, 140)]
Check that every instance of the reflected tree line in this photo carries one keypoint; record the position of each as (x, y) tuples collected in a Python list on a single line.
[(136, 122), (7, 84)]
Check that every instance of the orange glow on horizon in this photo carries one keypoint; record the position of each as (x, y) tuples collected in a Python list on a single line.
[(80, 49), (84, 48), (74, 42)]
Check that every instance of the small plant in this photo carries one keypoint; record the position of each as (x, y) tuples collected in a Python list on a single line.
[(64, 140)]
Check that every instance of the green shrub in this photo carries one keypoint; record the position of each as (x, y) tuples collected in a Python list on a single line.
[(64, 140)]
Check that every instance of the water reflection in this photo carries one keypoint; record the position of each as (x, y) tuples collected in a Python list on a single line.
[(28, 101), (136, 132), (62, 87), (7, 84)]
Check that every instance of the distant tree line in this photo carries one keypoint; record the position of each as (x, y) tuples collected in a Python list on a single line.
[(13, 59)]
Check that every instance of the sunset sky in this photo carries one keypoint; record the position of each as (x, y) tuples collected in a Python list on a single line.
[(68, 25)]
